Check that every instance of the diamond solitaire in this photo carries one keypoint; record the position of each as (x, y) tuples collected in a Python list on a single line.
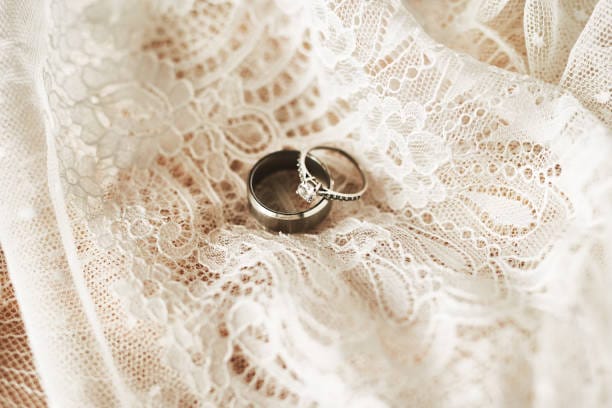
[(307, 190)]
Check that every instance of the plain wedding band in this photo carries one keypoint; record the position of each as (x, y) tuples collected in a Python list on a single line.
[(290, 222)]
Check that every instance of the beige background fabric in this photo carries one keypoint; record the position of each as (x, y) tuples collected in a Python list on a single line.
[(474, 272)]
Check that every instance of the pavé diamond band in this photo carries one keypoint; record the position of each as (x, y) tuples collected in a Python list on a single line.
[(288, 221)]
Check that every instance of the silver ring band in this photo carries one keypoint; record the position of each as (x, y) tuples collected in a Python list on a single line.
[(310, 185), (289, 222)]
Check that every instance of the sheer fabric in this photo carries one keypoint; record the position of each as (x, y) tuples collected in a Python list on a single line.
[(475, 271)]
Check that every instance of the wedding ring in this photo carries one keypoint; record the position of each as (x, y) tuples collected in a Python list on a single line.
[(286, 221), (310, 185)]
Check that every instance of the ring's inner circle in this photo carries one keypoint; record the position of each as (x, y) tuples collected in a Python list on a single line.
[(276, 179)]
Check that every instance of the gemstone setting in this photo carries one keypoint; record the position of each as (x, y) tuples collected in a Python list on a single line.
[(307, 190)]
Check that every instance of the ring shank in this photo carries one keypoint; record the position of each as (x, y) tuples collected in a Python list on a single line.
[(327, 192)]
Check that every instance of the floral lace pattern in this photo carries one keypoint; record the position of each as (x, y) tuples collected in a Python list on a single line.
[(458, 280)]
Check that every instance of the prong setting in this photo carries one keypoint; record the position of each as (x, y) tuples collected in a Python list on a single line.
[(307, 189)]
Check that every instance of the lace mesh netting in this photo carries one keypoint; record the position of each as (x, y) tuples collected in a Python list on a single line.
[(475, 271), (19, 384)]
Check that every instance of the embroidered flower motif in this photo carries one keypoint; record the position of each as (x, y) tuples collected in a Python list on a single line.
[(137, 306), (123, 226), (80, 178), (184, 351), (333, 41), (115, 19), (406, 155), (132, 114)]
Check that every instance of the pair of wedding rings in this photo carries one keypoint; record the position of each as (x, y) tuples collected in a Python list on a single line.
[(315, 182)]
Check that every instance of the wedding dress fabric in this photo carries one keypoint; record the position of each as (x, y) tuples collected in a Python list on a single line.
[(476, 271)]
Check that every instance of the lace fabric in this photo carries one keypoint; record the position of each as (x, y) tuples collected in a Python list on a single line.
[(474, 272)]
